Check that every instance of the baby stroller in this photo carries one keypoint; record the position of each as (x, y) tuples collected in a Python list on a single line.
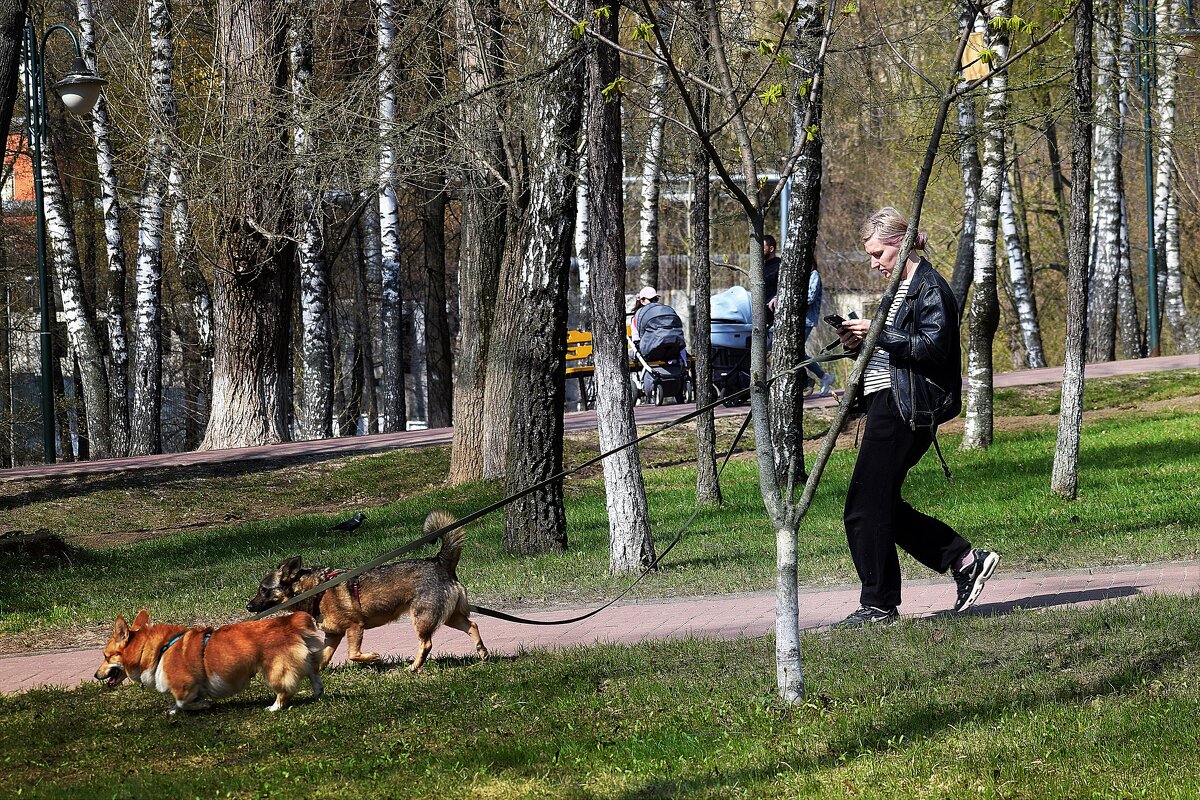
[(659, 368), (730, 332)]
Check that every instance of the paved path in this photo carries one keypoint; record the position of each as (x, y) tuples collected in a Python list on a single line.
[(578, 421), (721, 617)]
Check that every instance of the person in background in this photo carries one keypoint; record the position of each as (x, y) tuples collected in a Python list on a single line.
[(813, 314), (912, 384)]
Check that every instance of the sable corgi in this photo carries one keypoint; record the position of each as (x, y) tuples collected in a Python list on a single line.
[(198, 665), (427, 588)]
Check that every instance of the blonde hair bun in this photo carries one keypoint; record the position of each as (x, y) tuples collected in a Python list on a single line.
[(889, 226)]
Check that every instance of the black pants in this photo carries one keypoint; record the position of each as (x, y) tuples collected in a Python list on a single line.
[(876, 516)]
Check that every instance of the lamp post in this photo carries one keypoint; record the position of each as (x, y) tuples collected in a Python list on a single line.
[(79, 92)]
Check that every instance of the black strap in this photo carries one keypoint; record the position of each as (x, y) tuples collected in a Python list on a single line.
[(938, 449), (823, 356)]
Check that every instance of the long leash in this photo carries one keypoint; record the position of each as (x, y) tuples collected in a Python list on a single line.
[(822, 356)]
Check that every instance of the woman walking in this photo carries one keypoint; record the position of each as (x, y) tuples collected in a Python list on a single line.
[(911, 385)]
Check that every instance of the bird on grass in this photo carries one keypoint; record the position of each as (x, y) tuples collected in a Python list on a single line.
[(350, 524)]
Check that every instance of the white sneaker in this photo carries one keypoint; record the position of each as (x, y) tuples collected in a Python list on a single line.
[(826, 386)]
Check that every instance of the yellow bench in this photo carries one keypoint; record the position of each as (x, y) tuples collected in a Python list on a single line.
[(579, 364)]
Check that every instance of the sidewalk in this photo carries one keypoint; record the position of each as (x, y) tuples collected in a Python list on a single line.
[(577, 421), (720, 617)]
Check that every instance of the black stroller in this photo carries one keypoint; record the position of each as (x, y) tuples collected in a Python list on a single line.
[(730, 332), (659, 366)]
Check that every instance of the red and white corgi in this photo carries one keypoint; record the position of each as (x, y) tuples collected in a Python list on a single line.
[(198, 665)]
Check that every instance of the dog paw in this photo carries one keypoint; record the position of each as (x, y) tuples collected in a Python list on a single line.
[(276, 706), (364, 658)]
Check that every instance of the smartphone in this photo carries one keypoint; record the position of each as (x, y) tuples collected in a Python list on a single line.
[(835, 320)]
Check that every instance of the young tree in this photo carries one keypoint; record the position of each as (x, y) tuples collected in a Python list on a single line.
[(652, 157), (395, 413), (1105, 269), (1064, 479), (985, 306), (631, 545), (1019, 279), (968, 158), (439, 360)]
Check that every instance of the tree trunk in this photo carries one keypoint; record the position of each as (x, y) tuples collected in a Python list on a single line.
[(256, 258), (12, 27), (708, 487), (7, 440), (1064, 478), (631, 546), (800, 255), (537, 522), (316, 338), (482, 229), (583, 255), (968, 159), (395, 412), (197, 350), (371, 265), (1132, 341), (1165, 190), (1106, 266), (80, 320), (114, 240), (652, 157), (1018, 276), (985, 306)]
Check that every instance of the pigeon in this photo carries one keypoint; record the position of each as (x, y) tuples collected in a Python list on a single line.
[(350, 524)]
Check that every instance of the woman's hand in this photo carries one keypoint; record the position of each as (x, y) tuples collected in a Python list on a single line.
[(853, 331)]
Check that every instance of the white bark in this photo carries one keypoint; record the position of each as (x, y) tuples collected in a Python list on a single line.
[(372, 254), (583, 257), (651, 177), (985, 311), (316, 345), (118, 346), (1106, 179), (145, 413), (1185, 329), (1018, 275), (80, 326), (194, 282), (389, 225), (1166, 193)]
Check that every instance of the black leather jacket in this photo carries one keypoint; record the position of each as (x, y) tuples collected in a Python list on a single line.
[(924, 350)]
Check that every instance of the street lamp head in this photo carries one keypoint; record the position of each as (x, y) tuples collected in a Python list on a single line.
[(1188, 27), (81, 88)]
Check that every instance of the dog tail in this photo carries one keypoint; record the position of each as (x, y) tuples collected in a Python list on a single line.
[(452, 541)]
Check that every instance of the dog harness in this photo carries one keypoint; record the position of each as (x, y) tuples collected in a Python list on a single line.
[(207, 635)]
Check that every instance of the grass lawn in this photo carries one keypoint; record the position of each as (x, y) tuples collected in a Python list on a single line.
[(1137, 503), (1097, 703)]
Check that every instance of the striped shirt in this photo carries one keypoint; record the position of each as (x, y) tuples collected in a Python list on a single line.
[(877, 375)]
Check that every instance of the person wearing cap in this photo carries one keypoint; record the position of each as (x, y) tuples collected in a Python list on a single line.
[(646, 297)]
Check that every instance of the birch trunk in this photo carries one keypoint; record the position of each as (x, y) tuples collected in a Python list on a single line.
[(631, 546), (255, 268), (651, 178), (537, 522), (1132, 343), (198, 353), (968, 159), (114, 241), (392, 309), (485, 196), (1106, 265), (146, 411), (316, 338), (1166, 193), (371, 268), (985, 306), (708, 487), (8, 450), (439, 356), (1184, 327), (80, 322), (583, 250), (1064, 478), (1018, 276)]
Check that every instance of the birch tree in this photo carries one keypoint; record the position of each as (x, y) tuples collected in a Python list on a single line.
[(1064, 478), (197, 351), (117, 365), (316, 343), (631, 546), (1104, 273), (985, 306), (652, 156), (80, 319), (146, 410), (439, 361), (392, 309), (1019, 280), (968, 158)]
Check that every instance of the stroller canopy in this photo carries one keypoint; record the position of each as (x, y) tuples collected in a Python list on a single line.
[(731, 306)]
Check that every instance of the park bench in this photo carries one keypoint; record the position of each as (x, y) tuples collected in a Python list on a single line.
[(580, 366)]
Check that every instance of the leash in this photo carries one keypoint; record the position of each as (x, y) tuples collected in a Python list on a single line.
[(822, 356)]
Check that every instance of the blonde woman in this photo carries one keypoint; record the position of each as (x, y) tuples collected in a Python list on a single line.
[(911, 385)]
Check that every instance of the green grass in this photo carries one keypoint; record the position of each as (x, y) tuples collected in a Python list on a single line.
[(1137, 503), (1117, 392), (1049, 704)]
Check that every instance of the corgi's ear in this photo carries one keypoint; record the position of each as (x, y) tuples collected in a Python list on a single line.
[(141, 620), (120, 633), (289, 569)]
